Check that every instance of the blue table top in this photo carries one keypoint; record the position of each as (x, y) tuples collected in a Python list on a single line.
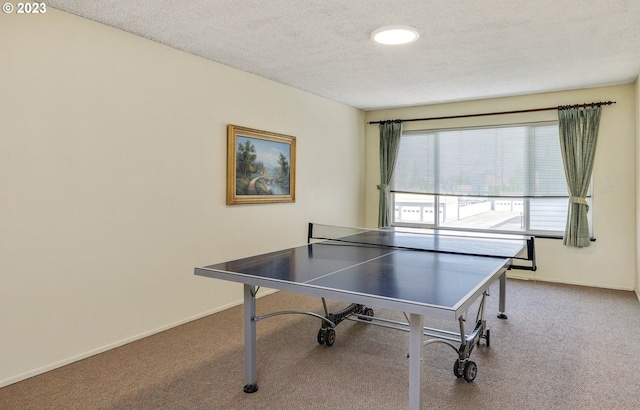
[(417, 277)]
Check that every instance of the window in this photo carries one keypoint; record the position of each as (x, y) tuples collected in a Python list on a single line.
[(508, 179)]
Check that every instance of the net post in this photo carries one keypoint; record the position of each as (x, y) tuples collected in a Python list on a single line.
[(310, 232), (531, 251)]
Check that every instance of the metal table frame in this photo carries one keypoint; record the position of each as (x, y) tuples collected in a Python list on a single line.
[(416, 314)]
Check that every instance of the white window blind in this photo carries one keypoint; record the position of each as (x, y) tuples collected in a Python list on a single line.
[(511, 161)]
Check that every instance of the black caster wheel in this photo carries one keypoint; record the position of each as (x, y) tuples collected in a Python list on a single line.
[(369, 313), (470, 371), (458, 369), (487, 338), (322, 336), (331, 337)]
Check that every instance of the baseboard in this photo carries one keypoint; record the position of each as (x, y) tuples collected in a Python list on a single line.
[(533, 277), (85, 355)]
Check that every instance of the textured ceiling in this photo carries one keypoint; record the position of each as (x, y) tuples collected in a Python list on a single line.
[(468, 49)]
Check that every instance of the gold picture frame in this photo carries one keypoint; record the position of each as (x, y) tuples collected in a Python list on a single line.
[(261, 166)]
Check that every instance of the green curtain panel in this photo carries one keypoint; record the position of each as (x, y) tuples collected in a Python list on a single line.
[(578, 137), (390, 133)]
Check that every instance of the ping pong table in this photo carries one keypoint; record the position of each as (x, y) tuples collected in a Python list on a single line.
[(421, 273)]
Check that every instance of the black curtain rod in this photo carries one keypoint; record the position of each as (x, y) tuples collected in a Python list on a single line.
[(559, 107)]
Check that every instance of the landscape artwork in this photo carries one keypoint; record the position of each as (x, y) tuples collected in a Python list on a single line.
[(261, 166)]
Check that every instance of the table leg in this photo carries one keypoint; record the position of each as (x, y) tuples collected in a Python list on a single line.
[(503, 296), (416, 324), (250, 371)]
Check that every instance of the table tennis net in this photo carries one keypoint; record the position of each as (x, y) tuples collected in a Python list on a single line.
[(418, 239)]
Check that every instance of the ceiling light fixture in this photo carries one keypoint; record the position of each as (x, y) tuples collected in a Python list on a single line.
[(394, 35)]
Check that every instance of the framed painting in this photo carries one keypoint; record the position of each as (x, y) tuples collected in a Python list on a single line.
[(261, 166)]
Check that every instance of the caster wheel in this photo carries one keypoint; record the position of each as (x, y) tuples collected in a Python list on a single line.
[(322, 336), (458, 369), (368, 312), (470, 371), (487, 338), (331, 337)]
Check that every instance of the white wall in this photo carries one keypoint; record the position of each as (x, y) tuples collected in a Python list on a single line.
[(611, 261), (113, 182), (638, 186)]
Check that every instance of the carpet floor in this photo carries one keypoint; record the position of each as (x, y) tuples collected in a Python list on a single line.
[(562, 347)]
